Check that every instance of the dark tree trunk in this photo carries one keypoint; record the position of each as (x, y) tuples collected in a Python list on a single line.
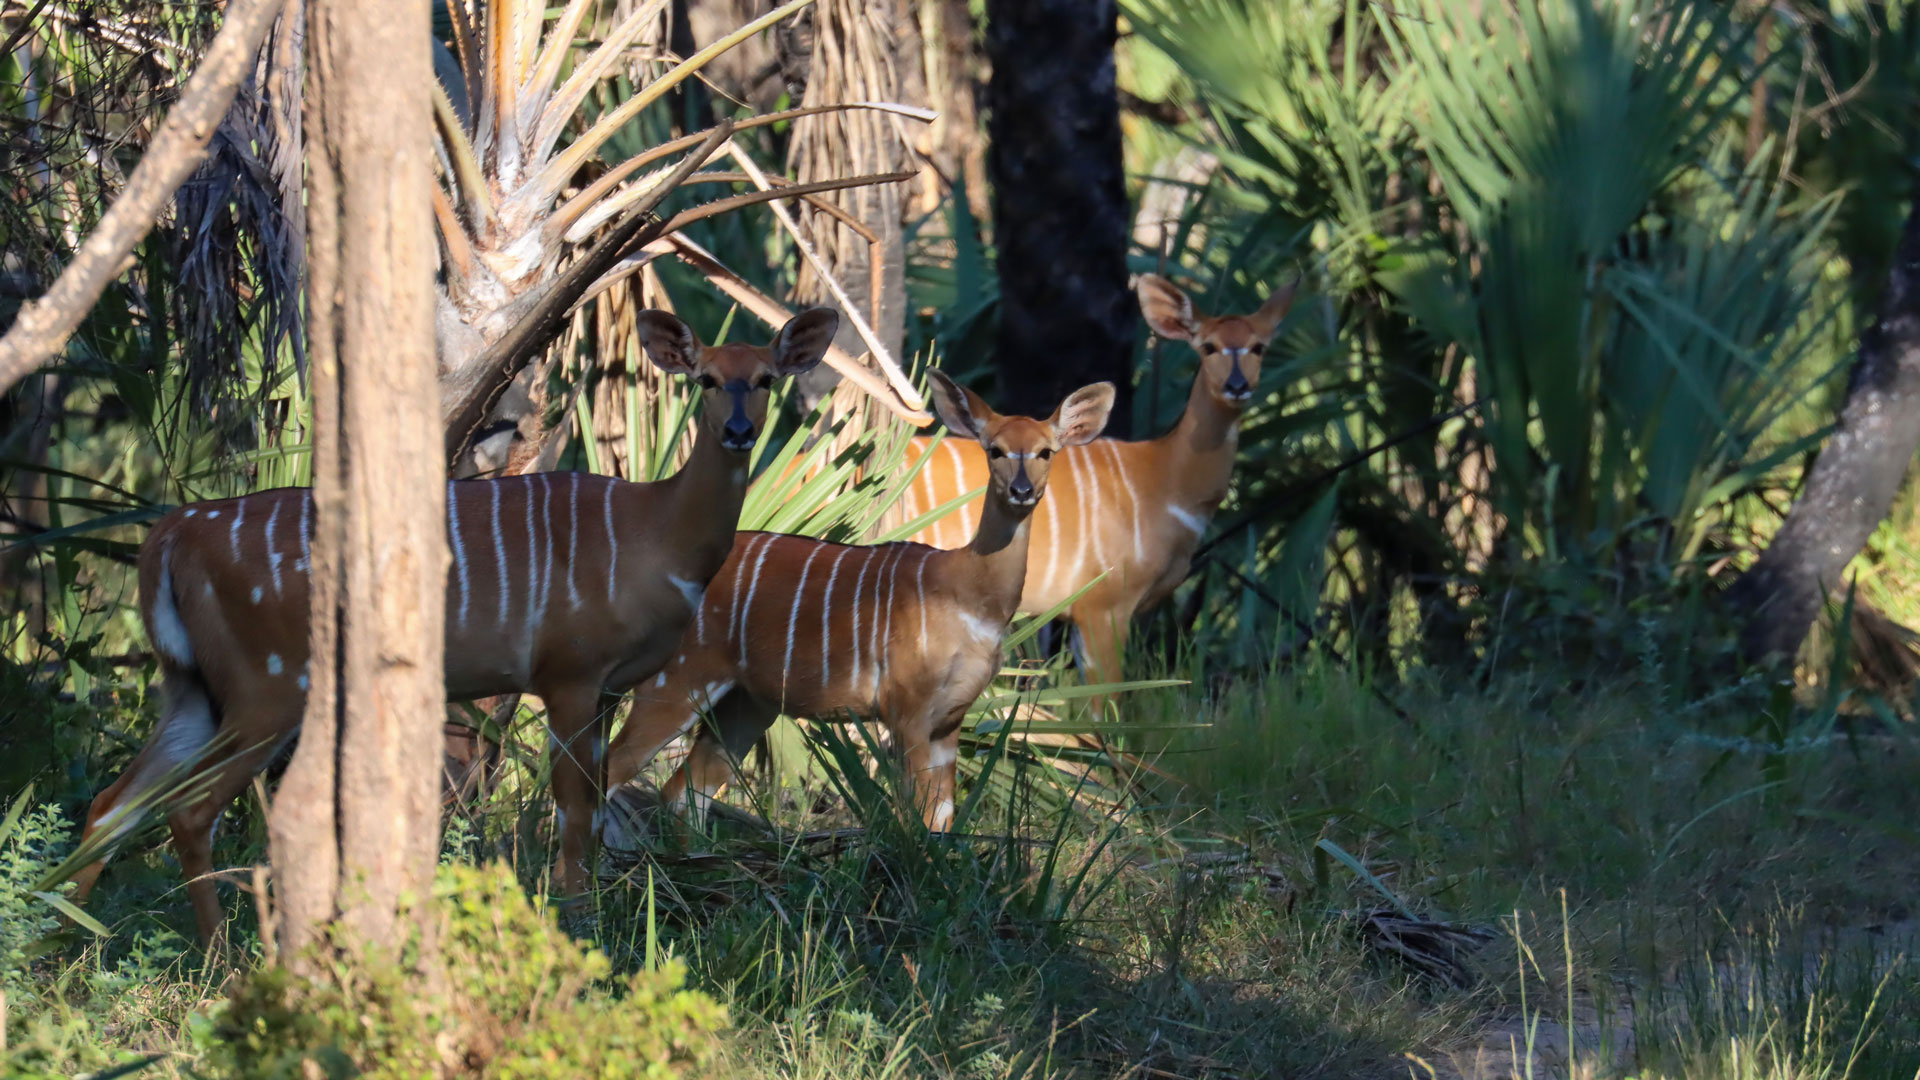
[(1854, 481), (1060, 216), (356, 823)]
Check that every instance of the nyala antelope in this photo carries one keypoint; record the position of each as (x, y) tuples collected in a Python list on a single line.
[(570, 587), (904, 632), (1135, 509)]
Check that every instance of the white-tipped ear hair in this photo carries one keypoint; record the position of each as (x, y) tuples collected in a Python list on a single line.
[(955, 406), (670, 343), (804, 340), (1167, 310), (1083, 416)]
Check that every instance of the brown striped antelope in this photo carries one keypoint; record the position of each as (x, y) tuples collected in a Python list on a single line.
[(903, 632), (1137, 509), (567, 586)]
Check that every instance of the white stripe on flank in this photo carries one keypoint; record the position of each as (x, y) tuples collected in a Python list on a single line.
[(1191, 520), (854, 682), (613, 546), (1053, 528), (826, 615), (573, 536), (893, 574), (273, 557), (1094, 523), (739, 575), (459, 552), (793, 615), (879, 613), (1133, 497), (746, 613), (920, 595), (546, 552), (533, 572), (233, 530), (306, 531), (499, 551)]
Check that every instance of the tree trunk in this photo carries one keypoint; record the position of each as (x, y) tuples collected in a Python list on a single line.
[(862, 51), (356, 822), (1060, 217), (1854, 481)]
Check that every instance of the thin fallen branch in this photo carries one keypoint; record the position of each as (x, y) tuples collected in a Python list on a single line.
[(44, 326), (888, 365)]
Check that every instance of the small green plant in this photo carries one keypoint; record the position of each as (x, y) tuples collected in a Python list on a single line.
[(29, 913), (517, 999)]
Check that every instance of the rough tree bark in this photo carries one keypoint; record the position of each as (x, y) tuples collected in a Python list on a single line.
[(1852, 485), (355, 824), (1060, 216), (861, 51)]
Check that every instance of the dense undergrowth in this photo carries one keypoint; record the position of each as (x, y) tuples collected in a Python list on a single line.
[(1349, 872)]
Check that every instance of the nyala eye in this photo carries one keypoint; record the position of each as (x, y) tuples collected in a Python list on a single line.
[(1045, 454), (708, 382), (764, 382), (1257, 348), (996, 453), (1209, 348)]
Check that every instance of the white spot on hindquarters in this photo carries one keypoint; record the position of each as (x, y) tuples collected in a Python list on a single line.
[(212, 514), (662, 680), (274, 666), (301, 682), (987, 633), (691, 592), (258, 593), (1193, 522), (191, 511), (207, 588), (169, 632)]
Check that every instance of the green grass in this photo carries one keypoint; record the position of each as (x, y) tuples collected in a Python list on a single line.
[(1687, 898)]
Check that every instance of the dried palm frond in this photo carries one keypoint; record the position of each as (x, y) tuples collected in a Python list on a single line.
[(524, 240)]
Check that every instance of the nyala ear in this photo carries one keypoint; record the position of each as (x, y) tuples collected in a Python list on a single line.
[(803, 341), (959, 408), (1083, 416), (1166, 309), (669, 342), (1276, 308)]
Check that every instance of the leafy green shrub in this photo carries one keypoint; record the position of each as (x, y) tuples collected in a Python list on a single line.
[(28, 839), (517, 999)]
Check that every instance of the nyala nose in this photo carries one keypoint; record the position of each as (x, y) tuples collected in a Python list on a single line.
[(1237, 385), (1021, 489), (739, 431)]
